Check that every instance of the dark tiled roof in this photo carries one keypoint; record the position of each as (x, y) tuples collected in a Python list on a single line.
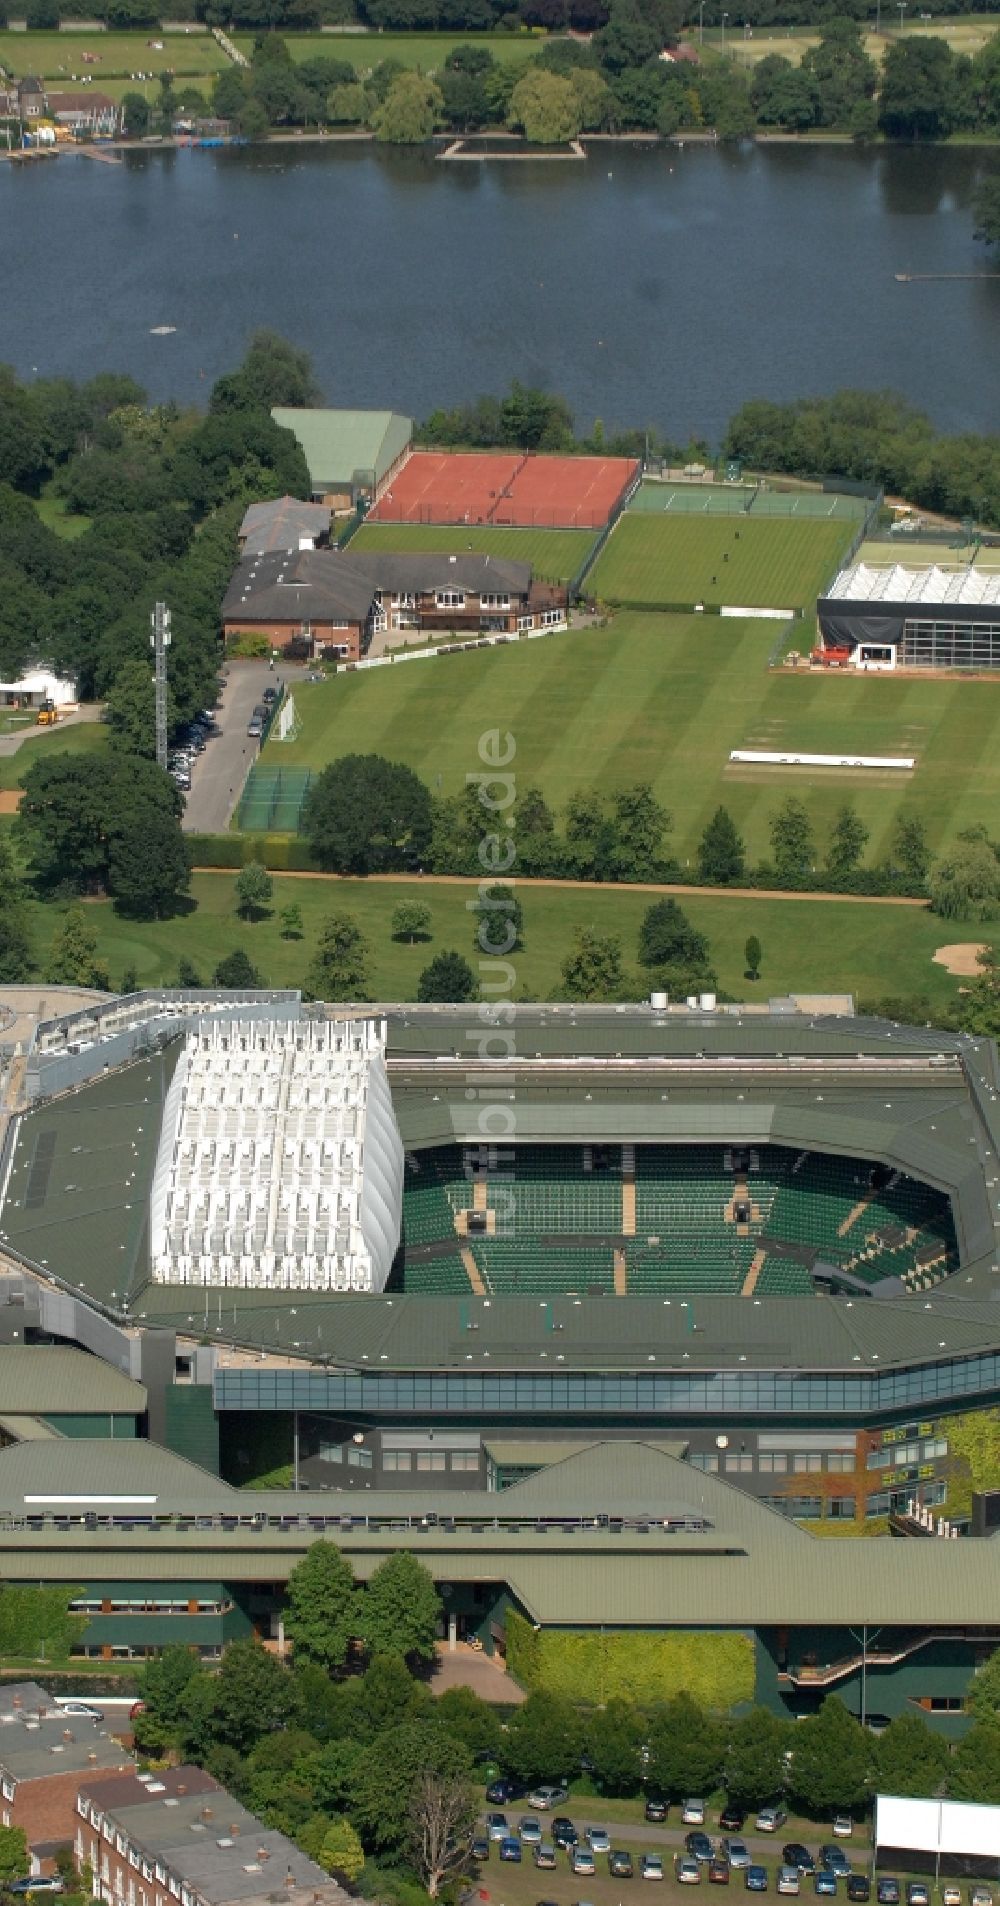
[(280, 524), (424, 572), (310, 585)]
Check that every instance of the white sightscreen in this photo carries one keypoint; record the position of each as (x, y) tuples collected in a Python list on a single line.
[(937, 1826)]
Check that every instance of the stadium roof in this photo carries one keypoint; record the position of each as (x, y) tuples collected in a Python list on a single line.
[(893, 583), (342, 447), (42, 1379)]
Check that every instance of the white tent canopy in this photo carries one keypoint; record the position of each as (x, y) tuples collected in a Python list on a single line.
[(952, 1827)]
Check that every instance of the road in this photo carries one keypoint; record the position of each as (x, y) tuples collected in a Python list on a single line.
[(219, 772)]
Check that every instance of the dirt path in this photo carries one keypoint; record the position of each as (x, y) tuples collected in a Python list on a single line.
[(597, 886)]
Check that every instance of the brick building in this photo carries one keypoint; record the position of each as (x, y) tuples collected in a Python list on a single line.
[(44, 1761)]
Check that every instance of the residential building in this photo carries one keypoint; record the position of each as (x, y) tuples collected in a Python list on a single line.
[(44, 1761)]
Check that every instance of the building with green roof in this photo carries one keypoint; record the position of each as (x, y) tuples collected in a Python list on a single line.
[(351, 454)]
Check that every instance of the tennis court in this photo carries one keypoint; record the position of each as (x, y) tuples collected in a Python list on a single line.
[(657, 560), (271, 802), (740, 499), (505, 489)]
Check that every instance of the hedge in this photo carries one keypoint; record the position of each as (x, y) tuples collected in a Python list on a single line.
[(282, 853), (717, 1670)]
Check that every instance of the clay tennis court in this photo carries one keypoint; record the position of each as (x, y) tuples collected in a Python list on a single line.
[(525, 492)]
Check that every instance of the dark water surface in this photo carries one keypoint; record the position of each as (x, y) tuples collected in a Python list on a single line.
[(648, 286)]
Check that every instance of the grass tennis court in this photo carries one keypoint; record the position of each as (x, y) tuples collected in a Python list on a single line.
[(554, 554), (711, 559), (736, 499), (272, 800), (663, 699)]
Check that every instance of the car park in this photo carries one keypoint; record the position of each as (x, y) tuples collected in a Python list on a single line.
[(510, 1848), (497, 1826), (789, 1880), (582, 1862), (480, 1848), (545, 1855), (835, 1860), (736, 1851), (755, 1879), (688, 1872), (718, 1870), (917, 1894), (825, 1883), (500, 1792), (693, 1813), (656, 1809), (771, 1819), (731, 1819), (564, 1832), (887, 1891), (545, 1797), (859, 1888), (843, 1826), (795, 1854), (530, 1830), (620, 1863), (651, 1866), (598, 1839), (699, 1846)]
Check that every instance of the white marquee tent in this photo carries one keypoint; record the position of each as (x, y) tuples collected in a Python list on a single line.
[(953, 1831)]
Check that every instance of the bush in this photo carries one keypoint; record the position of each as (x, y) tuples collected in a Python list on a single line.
[(717, 1670)]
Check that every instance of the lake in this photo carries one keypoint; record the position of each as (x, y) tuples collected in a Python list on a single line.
[(656, 286)]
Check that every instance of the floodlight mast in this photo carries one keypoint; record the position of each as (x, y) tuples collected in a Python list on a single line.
[(159, 642)]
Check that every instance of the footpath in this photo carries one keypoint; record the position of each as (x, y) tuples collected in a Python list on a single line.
[(598, 886)]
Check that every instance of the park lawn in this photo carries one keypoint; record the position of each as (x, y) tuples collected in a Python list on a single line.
[(965, 33), (426, 52), (808, 945), (776, 563), (81, 737), (554, 554), (118, 55), (54, 514), (664, 699), (188, 82)]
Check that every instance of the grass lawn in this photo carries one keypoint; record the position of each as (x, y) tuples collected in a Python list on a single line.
[(54, 514), (425, 51), (808, 945), (774, 564), (965, 34), (663, 699), (82, 737), (554, 554), (117, 55)]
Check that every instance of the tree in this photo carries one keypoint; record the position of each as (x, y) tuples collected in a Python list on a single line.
[(163, 1684), (965, 883), (14, 1860), (783, 94), (235, 971), (667, 938), (983, 1698), (149, 858), (365, 815), (544, 1737), (468, 1718), (411, 111), (499, 918), (918, 98), (848, 839), (252, 1695), (755, 1757), (979, 1011), (986, 211), (62, 820), (909, 1759), (721, 852), (339, 966), (686, 1748), (36, 1624), (16, 958), (908, 850), (449, 978), (321, 1619), (974, 1773), (443, 1810), (290, 922), (341, 1851), (753, 954), (792, 841), (388, 1693), (832, 1762), (546, 108), (73, 957), (385, 1776), (131, 710), (638, 826), (188, 977), (401, 1609), (137, 114), (254, 890), (411, 921), (272, 372), (616, 1740), (593, 969)]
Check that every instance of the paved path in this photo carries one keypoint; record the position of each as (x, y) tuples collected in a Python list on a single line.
[(616, 886), (219, 772)]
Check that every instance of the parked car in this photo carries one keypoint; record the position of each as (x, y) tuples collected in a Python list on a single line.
[(795, 1854), (755, 1879), (825, 1883), (545, 1856), (564, 1832), (651, 1866), (699, 1846), (736, 1851), (718, 1870), (859, 1888), (835, 1860), (598, 1839), (917, 1894), (37, 1883), (255, 728), (950, 1895), (788, 1879), (479, 1846), (771, 1819), (137, 1708), (582, 1862), (980, 1896), (545, 1797), (510, 1848), (656, 1809), (688, 1871), (693, 1813), (530, 1830), (270, 695), (620, 1863), (85, 1708), (500, 1792), (843, 1826), (497, 1826), (731, 1819), (887, 1891)]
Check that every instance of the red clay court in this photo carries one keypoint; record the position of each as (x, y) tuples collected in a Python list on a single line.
[(525, 492)]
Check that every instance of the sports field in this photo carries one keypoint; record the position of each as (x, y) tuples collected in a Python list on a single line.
[(964, 33), (115, 55), (776, 564), (663, 699), (554, 554), (737, 499), (505, 488)]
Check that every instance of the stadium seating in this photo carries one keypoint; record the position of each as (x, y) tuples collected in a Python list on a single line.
[(438, 1277), (509, 1268), (782, 1277)]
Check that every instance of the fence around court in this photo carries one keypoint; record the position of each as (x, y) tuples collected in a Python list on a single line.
[(271, 802)]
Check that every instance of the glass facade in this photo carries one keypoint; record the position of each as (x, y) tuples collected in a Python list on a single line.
[(944, 643)]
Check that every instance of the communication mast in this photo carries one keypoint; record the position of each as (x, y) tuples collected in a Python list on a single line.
[(159, 642)]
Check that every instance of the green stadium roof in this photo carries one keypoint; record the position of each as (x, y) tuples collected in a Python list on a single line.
[(52, 1380), (342, 447)]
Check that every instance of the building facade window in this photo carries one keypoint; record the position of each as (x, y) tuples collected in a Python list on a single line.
[(396, 1459), (449, 599), (432, 1459), (772, 1462)]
